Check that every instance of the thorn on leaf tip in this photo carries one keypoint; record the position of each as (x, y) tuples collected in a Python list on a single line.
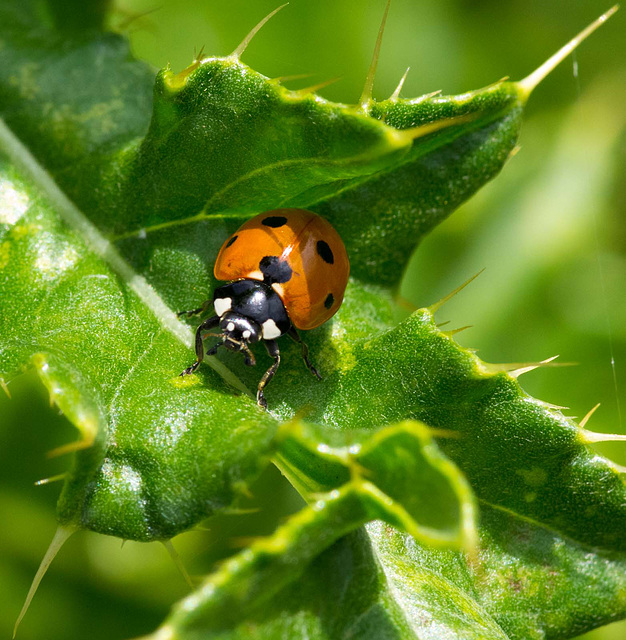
[(437, 305), (396, 94), (528, 84), (366, 95), (584, 421), (291, 78), (200, 56), (71, 447), (514, 151), (314, 88), (178, 562), (516, 369), (531, 366), (43, 481), (453, 332), (60, 538), (236, 54), (591, 437)]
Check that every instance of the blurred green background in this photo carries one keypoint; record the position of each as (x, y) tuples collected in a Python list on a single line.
[(549, 232)]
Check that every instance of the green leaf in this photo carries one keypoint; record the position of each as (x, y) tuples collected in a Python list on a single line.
[(111, 364), (86, 139), (416, 487), (518, 452), (533, 582), (115, 201), (368, 487), (266, 146), (536, 573), (525, 583)]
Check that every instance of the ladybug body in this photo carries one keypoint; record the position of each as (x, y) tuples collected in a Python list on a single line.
[(288, 270)]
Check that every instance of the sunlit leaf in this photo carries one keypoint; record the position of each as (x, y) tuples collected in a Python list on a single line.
[(116, 192)]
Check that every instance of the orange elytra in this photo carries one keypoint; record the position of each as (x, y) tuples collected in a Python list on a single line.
[(287, 269)]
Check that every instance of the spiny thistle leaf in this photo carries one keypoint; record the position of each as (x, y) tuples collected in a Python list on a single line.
[(116, 193)]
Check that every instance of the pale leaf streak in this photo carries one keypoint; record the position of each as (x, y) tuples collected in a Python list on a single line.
[(532, 521), (391, 585), (50, 291), (99, 245), (176, 223), (396, 144), (129, 374), (397, 140), (281, 165)]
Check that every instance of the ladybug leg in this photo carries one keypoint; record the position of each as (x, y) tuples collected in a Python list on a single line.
[(272, 349), (293, 334), (209, 323), (249, 359), (195, 312)]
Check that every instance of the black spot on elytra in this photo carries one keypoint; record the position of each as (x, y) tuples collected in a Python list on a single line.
[(274, 221), (230, 242), (330, 300), (325, 252), (275, 270)]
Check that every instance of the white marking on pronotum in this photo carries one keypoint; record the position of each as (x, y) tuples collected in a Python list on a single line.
[(278, 288), (222, 305), (230, 326), (270, 330), (246, 334)]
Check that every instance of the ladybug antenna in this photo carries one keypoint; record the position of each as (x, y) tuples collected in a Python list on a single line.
[(236, 54), (250, 359)]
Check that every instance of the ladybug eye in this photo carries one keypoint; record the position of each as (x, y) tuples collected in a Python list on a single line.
[(325, 252), (274, 221), (231, 241)]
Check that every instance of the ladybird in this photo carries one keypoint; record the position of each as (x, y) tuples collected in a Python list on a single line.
[(287, 269)]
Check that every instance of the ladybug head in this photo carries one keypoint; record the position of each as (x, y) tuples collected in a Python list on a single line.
[(239, 331)]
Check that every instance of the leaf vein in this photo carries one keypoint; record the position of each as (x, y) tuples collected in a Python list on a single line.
[(103, 248)]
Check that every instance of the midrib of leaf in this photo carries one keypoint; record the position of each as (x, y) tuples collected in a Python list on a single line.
[(528, 520), (282, 164), (98, 244)]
